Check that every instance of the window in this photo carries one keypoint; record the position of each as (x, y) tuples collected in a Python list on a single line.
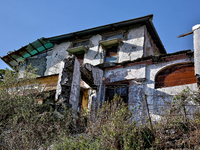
[(121, 90), (78, 49), (110, 43), (111, 54)]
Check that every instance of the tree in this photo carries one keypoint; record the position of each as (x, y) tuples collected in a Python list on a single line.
[(2, 73)]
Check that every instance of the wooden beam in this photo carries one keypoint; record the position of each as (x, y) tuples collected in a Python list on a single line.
[(182, 35)]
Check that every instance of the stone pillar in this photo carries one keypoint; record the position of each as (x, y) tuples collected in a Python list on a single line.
[(75, 86), (137, 101), (196, 41), (68, 87)]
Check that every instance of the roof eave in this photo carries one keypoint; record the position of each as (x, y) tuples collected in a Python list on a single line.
[(95, 30)]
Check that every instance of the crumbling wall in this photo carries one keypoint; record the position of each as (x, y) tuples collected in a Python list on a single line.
[(68, 87), (94, 77), (160, 98), (132, 48), (59, 53), (75, 86), (125, 73), (94, 54), (38, 62), (141, 78), (150, 47), (137, 100)]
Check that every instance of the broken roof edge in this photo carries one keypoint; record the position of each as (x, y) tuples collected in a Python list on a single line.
[(34, 48)]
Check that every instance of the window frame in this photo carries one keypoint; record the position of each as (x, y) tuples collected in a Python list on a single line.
[(115, 87)]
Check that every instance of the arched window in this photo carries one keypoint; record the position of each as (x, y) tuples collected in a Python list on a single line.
[(178, 74)]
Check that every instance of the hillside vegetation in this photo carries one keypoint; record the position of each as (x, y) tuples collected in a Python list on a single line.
[(25, 124)]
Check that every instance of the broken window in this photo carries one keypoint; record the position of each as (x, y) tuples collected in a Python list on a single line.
[(121, 90), (111, 54), (110, 44)]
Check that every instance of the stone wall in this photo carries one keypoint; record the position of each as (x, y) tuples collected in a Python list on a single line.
[(68, 87)]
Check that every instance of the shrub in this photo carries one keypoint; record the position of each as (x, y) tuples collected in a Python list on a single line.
[(25, 124), (111, 128)]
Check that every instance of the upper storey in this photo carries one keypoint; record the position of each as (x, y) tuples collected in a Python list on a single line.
[(113, 43)]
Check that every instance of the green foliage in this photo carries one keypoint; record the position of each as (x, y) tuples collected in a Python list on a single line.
[(2, 73), (25, 124), (111, 128), (79, 142)]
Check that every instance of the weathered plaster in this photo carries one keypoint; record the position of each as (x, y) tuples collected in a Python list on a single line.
[(138, 91), (92, 99), (54, 61), (95, 53), (149, 47), (68, 87), (58, 89), (120, 74), (136, 100), (132, 48), (160, 98), (75, 86), (196, 39), (153, 69), (38, 62)]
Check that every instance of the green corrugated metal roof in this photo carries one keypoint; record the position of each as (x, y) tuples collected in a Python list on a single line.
[(38, 46)]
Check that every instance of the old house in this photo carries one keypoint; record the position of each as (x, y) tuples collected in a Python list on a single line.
[(88, 67)]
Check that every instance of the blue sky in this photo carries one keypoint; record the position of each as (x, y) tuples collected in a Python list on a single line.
[(22, 21)]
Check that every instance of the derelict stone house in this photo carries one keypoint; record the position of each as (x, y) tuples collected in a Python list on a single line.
[(90, 66)]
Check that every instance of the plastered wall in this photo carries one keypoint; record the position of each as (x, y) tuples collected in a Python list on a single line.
[(94, 54), (132, 48), (53, 63), (163, 96), (196, 39), (150, 47), (141, 89)]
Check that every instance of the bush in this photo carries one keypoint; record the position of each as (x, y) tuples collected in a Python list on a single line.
[(25, 124), (111, 128)]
